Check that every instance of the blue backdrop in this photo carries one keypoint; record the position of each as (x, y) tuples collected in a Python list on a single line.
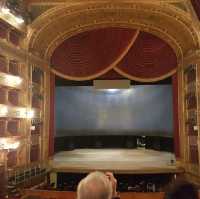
[(140, 110)]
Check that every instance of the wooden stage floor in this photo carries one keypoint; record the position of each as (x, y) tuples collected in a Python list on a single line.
[(135, 161)]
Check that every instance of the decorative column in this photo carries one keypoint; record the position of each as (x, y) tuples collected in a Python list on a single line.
[(52, 115), (3, 171), (176, 116), (190, 134)]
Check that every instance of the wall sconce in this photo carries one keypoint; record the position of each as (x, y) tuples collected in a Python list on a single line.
[(9, 144), (10, 80), (3, 111), (195, 128), (13, 80), (30, 114), (18, 112), (32, 128), (26, 113)]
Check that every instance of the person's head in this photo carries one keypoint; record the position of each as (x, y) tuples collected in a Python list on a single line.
[(182, 190), (96, 185)]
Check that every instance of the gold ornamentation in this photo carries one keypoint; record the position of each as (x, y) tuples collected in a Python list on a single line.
[(155, 79), (163, 20)]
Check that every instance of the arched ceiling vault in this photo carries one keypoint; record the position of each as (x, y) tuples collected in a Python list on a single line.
[(62, 22)]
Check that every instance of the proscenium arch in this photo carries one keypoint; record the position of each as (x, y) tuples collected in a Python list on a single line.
[(164, 21)]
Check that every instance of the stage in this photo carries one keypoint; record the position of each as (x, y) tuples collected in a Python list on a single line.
[(122, 161)]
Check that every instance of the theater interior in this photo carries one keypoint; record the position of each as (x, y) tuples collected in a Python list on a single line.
[(103, 85)]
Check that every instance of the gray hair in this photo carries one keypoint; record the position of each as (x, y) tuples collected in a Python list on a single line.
[(96, 185)]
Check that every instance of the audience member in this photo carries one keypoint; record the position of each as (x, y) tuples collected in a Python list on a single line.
[(97, 185), (182, 190)]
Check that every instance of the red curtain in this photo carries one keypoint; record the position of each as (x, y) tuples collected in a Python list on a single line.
[(149, 57), (52, 115), (91, 52), (175, 116)]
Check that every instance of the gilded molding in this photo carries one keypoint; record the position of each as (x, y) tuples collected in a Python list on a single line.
[(161, 19), (191, 57), (11, 51), (132, 24), (155, 79), (21, 55)]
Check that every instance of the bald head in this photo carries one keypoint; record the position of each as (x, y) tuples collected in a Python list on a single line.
[(95, 186)]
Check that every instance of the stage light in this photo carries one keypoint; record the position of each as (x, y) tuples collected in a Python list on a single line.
[(112, 90), (195, 128), (117, 91)]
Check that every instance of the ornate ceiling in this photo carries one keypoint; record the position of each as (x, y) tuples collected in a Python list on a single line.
[(85, 39)]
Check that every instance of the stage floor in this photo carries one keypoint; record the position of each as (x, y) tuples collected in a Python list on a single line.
[(141, 161)]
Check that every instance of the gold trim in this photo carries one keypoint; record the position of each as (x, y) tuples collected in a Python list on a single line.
[(145, 79), (142, 27), (154, 17), (21, 55)]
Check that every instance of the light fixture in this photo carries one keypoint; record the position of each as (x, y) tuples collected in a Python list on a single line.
[(18, 112), (10, 80), (13, 80), (12, 13), (112, 90), (19, 20), (9, 143), (5, 10), (3, 110), (195, 128), (25, 113), (30, 114), (32, 128)]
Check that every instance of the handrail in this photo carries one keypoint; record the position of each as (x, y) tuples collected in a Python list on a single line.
[(52, 194)]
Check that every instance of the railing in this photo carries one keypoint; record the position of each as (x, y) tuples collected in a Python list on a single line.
[(48, 194)]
